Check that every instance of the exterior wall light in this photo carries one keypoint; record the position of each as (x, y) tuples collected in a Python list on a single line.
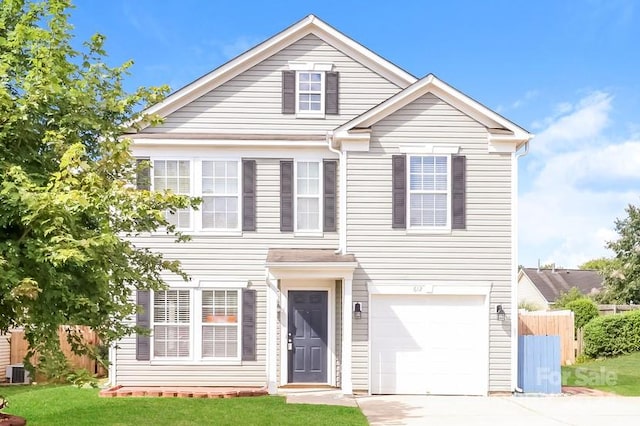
[(501, 313), (357, 310)]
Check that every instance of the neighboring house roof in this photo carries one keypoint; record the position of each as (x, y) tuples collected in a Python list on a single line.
[(500, 129), (308, 25), (552, 283)]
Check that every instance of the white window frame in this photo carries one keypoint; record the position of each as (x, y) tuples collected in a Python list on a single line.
[(200, 323), (196, 323), (154, 324), (238, 193), (447, 226), (320, 196), (191, 184), (311, 67), (321, 92)]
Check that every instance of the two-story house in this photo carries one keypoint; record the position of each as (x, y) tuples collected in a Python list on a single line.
[(357, 230)]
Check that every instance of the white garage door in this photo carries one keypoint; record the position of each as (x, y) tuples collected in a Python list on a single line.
[(429, 345)]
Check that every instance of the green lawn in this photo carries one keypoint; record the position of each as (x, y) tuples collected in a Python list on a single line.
[(620, 375), (67, 405)]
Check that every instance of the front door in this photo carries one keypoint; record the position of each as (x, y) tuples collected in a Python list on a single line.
[(307, 337)]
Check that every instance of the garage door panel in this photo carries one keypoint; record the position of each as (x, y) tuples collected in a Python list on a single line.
[(429, 344)]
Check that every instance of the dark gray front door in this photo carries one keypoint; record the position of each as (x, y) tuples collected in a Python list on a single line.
[(307, 337)]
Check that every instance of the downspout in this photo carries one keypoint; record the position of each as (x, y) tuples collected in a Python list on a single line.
[(514, 251), (342, 202)]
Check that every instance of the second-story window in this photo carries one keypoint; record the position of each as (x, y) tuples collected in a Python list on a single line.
[(174, 175), (310, 92), (220, 195), (429, 191), (308, 196)]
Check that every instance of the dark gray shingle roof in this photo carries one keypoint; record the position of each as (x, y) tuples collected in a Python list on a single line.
[(553, 283)]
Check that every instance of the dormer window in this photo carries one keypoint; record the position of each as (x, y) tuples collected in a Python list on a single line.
[(310, 90)]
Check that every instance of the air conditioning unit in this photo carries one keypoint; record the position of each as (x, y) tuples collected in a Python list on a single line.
[(16, 373)]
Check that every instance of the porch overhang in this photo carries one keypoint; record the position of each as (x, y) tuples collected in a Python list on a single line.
[(306, 264), (309, 263)]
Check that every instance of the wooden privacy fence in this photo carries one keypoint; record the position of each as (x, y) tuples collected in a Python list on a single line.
[(19, 348), (551, 323), (616, 309)]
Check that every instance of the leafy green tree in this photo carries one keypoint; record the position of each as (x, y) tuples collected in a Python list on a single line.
[(622, 279), (67, 206), (602, 264)]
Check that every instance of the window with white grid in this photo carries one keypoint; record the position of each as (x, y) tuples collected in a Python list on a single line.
[(310, 92), (172, 324), (429, 191), (220, 330), (308, 193), (220, 195), (174, 175)]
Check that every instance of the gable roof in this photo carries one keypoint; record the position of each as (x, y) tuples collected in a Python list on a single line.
[(500, 129), (308, 25), (552, 283)]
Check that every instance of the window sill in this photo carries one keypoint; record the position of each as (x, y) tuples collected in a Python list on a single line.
[(305, 115), (218, 233), (168, 362), (427, 231), (315, 234)]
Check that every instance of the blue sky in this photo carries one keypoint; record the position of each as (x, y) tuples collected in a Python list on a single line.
[(565, 70)]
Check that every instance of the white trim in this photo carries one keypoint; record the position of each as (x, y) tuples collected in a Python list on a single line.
[(231, 141), (310, 66), (231, 284), (468, 288), (347, 337), (428, 148), (272, 334), (309, 285), (304, 27), (431, 84)]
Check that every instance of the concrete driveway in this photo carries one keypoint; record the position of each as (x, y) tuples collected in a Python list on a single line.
[(496, 411)]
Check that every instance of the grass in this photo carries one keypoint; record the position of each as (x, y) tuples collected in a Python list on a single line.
[(68, 405), (619, 375)]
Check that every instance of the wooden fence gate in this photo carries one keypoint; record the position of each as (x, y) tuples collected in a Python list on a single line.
[(551, 323)]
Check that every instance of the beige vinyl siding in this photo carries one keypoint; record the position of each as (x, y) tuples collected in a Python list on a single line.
[(5, 355), (480, 253), (251, 101), (219, 257)]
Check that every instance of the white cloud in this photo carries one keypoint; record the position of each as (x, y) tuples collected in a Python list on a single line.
[(572, 125), (578, 182)]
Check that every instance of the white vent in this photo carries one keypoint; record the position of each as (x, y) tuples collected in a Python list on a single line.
[(16, 373)]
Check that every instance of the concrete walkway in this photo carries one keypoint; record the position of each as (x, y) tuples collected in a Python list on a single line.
[(496, 411), (321, 397)]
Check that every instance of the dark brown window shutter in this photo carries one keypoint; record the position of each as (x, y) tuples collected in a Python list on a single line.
[(458, 192), (331, 93), (330, 168), (288, 92), (143, 174), (399, 194), (248, 195), (143, 320), (286, 196), (248, 325)]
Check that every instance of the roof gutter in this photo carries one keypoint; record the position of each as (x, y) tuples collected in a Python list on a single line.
[(342, 200)]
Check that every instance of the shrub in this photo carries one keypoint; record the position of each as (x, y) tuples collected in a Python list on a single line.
[(584, 310), (612, 335), (565, 298)]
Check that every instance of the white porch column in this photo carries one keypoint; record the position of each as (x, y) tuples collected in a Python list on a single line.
[(347, 315), (272, 335)]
